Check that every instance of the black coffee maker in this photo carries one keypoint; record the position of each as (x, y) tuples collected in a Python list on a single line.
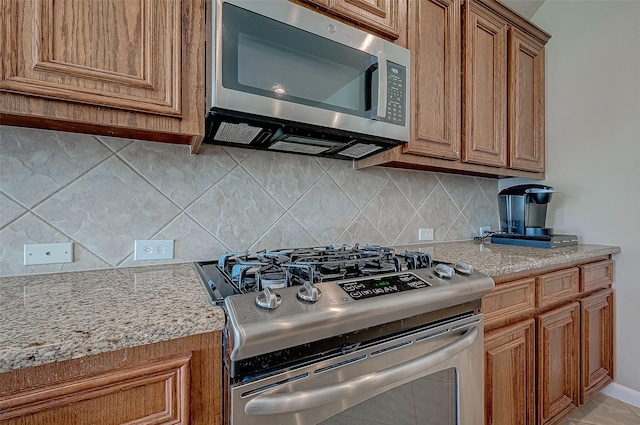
[(523, 216)]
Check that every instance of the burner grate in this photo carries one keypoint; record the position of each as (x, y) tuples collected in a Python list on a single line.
[(242, 272)]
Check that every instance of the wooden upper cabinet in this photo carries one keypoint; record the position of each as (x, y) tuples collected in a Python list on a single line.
[(116, 53), (477, 82), (484, 87), (381, 16), (434, 41), (526, 102), (116, 63)]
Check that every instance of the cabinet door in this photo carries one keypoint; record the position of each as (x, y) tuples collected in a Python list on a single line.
[(509, 375), (597, 343), (116, 67), (378, 15), (557, 352), (116, 53), (484, 87), (434, 41), (526, 102), (170, 382)]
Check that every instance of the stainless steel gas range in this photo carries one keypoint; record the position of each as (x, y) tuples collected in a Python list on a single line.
[(345, 335)]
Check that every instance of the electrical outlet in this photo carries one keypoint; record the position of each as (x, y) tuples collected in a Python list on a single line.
[(48, 253), (485, 230), (153, 250), (425, 234)]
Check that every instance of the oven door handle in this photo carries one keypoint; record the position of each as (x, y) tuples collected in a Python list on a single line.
[(273, 404)]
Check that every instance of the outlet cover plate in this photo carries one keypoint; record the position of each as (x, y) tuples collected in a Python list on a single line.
[(484, 230), (155, 249), (425, 234), (48, 253)]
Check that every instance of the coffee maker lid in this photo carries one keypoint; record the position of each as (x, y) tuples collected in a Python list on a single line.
[(524, 189)]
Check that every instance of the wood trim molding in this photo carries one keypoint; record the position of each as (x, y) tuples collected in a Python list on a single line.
[(396, 158), (516, 20)]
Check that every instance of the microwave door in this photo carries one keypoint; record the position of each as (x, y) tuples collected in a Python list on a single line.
[(276, 61)]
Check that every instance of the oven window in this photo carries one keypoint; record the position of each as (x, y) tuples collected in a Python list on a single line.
[(431, 400), (269, 58)]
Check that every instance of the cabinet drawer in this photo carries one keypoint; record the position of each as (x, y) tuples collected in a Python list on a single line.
[(155, 392), (508, 301), (555, 287), (596, 275)]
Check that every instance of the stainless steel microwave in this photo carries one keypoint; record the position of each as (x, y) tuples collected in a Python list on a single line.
[(281, 77)]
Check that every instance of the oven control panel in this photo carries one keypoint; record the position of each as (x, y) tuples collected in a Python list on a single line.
[(378, 286)]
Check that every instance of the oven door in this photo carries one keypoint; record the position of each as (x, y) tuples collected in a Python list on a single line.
[(433, 376)]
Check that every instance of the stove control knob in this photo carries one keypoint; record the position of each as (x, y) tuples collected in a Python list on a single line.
[(463, 268), (268, 299), (309, 293), (443, 271)]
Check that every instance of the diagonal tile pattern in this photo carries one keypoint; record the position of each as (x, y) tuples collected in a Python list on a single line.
[(389, 211), (236, 210), (286, 181), (182, 178), (325, 211), (35, 164), (107, 209), (102, 193)]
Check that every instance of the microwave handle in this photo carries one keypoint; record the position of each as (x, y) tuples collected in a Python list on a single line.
[(280, 403), (379, 62)]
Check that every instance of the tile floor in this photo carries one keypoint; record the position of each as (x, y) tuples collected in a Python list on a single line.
[(604, 410)]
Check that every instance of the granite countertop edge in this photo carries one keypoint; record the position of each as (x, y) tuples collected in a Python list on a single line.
[(62, 316)]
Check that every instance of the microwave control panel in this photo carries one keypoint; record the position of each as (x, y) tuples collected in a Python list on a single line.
[(396, 94)]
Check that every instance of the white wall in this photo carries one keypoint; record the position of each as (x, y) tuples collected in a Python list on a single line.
[(593, 144)]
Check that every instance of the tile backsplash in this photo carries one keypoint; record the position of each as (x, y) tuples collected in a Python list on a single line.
[(103, 193)]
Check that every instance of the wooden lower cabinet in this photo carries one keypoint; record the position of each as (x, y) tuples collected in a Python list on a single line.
[(557, 352), (548, 344), (509, 375), (596, 337), (171, 382)]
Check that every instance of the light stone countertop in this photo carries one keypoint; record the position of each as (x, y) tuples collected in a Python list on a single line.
[(61, 316), (508, 260)]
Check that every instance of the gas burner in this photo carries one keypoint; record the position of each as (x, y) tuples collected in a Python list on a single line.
[(289, 267), (242, 272)]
